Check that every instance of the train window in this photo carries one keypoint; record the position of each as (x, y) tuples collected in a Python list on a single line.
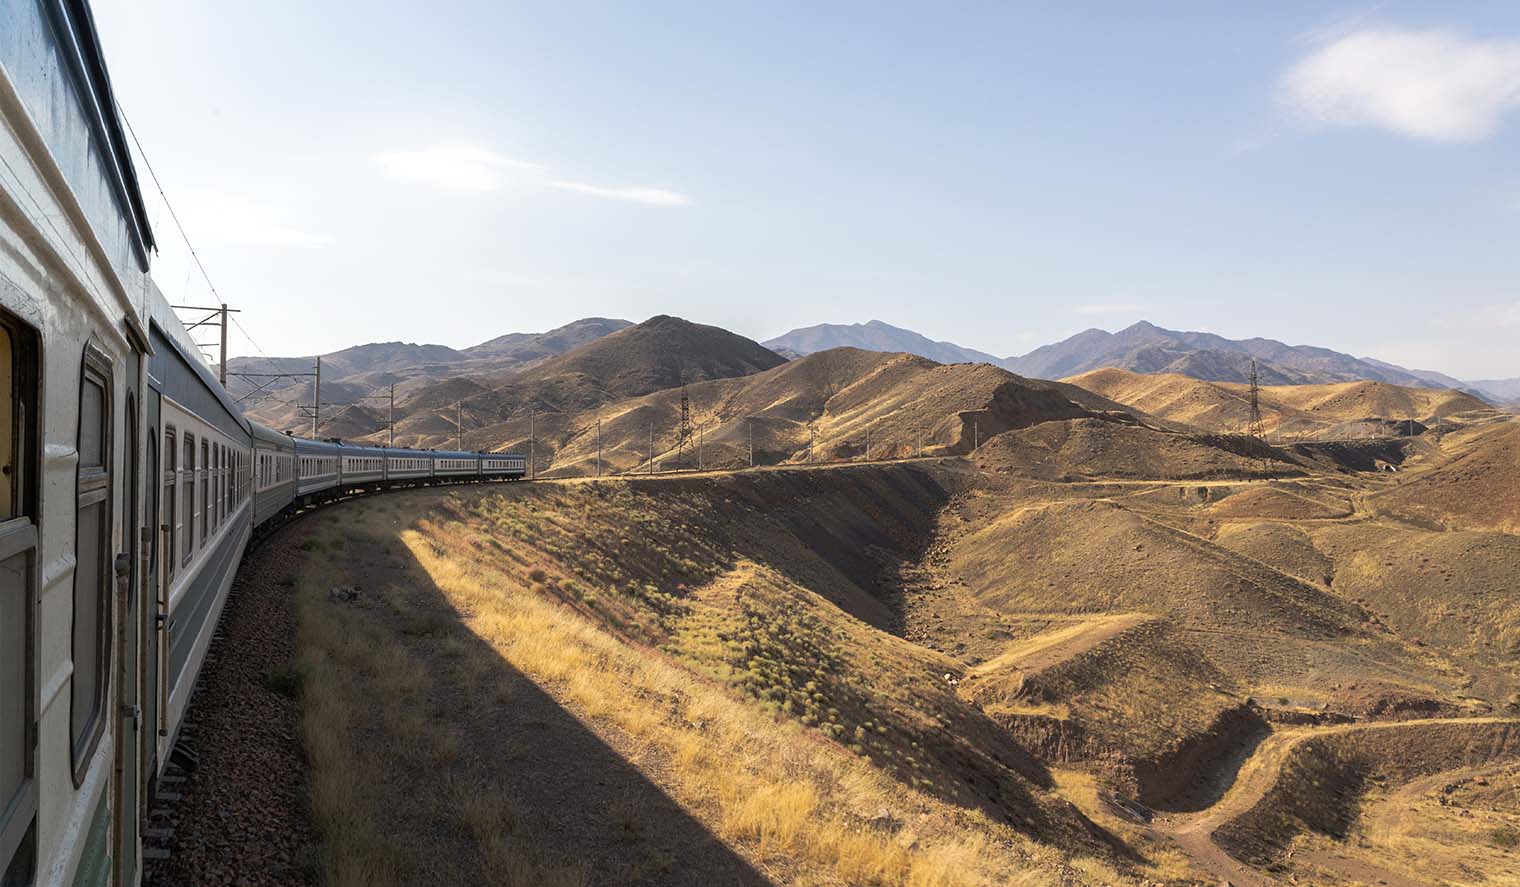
[(188, 492), (213, 513), (171, 476), (208, 480), (92, 568), (19, 447)]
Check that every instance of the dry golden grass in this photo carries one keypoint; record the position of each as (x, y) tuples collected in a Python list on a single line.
[(1462, 826), (796, 806), (771, 649), (801, 809), (354, 677)]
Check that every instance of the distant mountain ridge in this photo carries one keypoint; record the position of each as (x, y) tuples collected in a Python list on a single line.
[(1506, 391), (596, 360), (1147, 348), (873, 336)]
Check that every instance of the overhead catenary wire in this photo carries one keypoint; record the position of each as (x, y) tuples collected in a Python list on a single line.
[(170, 207), (184, 235)]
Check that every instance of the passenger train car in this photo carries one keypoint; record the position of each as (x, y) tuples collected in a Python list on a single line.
[(130, 482)]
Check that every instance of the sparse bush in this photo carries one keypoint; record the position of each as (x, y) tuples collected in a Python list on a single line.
[(1505, 838), (285, 680)]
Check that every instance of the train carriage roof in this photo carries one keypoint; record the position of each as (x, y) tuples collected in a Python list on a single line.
[(264, 433), (303, 445)]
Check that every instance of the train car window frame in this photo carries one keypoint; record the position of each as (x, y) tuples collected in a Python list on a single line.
[(187, 490), (20, 456), (216, 486), (93, 575), (205, 503), (171, 488)]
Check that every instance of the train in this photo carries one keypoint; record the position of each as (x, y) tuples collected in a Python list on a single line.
[(131, 482)]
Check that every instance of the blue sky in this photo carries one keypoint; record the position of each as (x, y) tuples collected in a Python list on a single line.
[(999, 175)]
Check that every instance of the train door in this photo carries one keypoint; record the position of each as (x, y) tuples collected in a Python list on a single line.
[(20, 449), (129, 671)]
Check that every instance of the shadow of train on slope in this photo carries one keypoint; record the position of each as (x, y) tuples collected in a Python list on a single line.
[(572, 809), (834, 533)]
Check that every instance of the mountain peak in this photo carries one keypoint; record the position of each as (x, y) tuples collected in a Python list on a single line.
[(1144, 347), (874, 335)]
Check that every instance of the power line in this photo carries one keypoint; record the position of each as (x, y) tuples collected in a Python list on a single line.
[(169, 206), (249, 338)]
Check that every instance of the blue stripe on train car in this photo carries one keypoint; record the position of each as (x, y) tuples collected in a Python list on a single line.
[(198, 602)]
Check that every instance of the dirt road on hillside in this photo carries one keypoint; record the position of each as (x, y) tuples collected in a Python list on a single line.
[(1251, 783), (1055, 647)]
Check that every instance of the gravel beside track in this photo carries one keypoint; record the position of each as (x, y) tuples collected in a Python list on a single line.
[(242, 817)]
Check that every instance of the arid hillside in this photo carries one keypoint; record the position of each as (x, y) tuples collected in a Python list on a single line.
[(659, 354), (881, 620), (356, 382), (1289, 412), (1471, 482), (819, 408), (1083, 649)]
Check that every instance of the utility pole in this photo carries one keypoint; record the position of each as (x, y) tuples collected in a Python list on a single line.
[(701, 446), (651, 448), (750, 424), (810, 442), (390, 418), (1255, 430), (683, 431), (316, 400), (868, 443), (532, 443), (976, 434), (598, 446), (219, 317), (459, 423)]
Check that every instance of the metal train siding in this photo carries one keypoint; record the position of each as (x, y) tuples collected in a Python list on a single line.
[(130, 483)]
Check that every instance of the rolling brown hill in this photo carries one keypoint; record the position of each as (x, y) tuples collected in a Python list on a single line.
[(1067, 601), (660, 353), (356, 382), (1345, 409), (830, 401), (1472, 482)]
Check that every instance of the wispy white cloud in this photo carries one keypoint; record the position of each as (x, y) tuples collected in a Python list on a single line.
[(469, 168), (1437, 85), (233, 218), (1108, 308), (455, 166), (652, 196)]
